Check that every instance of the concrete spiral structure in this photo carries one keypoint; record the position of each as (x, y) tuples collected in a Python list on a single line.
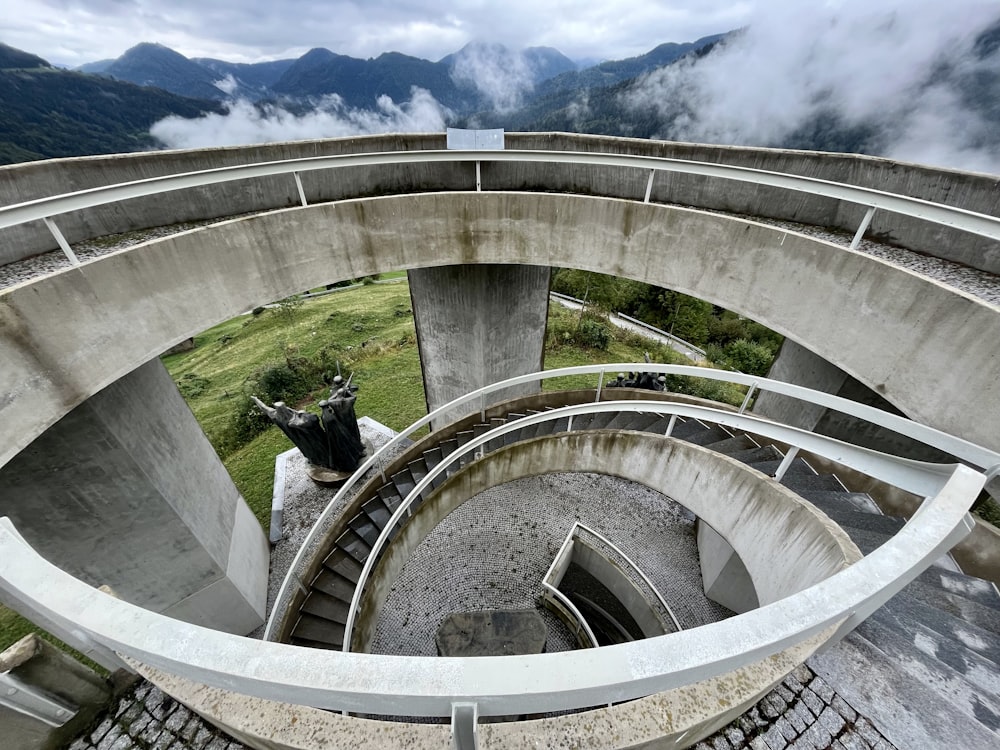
[(82, 388)]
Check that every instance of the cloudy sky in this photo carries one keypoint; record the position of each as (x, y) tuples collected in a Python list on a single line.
[(71, 32)]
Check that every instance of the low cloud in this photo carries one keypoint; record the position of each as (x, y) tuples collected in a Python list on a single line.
[(502, 77), (246, 123), (897, 78)]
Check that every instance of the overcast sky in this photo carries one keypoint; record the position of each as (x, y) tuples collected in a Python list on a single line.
[(71, 32)]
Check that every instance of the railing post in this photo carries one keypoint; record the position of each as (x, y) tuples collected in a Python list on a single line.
[(464, 726), (649, 185), (746, 399), (298, 186), (479, 178), (63, 244), (670, 425), (600, 384), (863, 228), (786, 463), (482, 408)]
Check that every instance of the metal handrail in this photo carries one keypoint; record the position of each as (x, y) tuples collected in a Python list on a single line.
[(974, 454), (418, 686), (632, 565), (950, 216), (921, 478)]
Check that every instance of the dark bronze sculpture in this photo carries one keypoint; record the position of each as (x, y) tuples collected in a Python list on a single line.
[(332, 441)]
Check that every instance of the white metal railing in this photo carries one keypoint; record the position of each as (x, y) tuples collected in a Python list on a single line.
[(630, 565), (420, 686), (44, 209), (550, 582), (971, 453), (920, 478)]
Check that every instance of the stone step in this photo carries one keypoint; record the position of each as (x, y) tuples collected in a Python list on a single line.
[(306, 643), (642, 421), (800, 482), (327, 607), (710, 434), (418, 469), (432, 457), (857, 500), (389, 496), (319, 630), (495, 443), (757, 455), (515, 435), (965, 648), (465, 437), (340, 562), (870, 539), (977, 703), (364, 527), (798, 467), (683, 428), (549, 426), (732, 445), (403, 481), (354, 545), (968, 610), (850, 518), (903, 708), (529, 432), (334, 585), (377, 511)]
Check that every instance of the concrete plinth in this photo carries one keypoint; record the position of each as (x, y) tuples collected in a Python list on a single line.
[(125, 490), (477, 324), (796, 364)]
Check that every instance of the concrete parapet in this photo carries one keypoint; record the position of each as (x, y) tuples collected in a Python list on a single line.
[(56, 332), (974, 192)]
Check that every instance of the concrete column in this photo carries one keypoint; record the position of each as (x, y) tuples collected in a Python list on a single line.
[(796, 364), (724, 576), (477, 324), (126, 490)]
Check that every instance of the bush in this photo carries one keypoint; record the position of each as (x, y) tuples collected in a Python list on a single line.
[(592, 334), (749, 357)]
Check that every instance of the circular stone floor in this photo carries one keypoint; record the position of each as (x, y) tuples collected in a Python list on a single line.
[(493, 550)]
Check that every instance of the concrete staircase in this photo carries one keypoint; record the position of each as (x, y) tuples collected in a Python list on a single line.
[(937, 643)]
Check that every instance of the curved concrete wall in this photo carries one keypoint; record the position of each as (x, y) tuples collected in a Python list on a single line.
[(785, 543), (66, 336), (974, 192)]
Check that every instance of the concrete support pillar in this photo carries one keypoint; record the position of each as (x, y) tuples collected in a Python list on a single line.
[(477, 324), (126, 490), (796, 364), (724, 576)]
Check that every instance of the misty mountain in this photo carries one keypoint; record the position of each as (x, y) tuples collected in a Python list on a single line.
[(542, 63), (360, 83), (256, 79), (48, 112), (11, 58), (155, 65)]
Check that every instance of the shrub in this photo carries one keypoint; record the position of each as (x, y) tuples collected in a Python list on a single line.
[(592, 334)]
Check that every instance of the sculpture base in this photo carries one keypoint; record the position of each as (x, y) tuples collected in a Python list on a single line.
[(325, 477)]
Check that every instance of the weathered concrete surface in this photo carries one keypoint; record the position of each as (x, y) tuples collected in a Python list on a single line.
[(673, 719), (975, 192), (796, 364), (67, 335), (494, 632), (784, 542), (477, 324), (725, 577), (125, 490), (41, 667)]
